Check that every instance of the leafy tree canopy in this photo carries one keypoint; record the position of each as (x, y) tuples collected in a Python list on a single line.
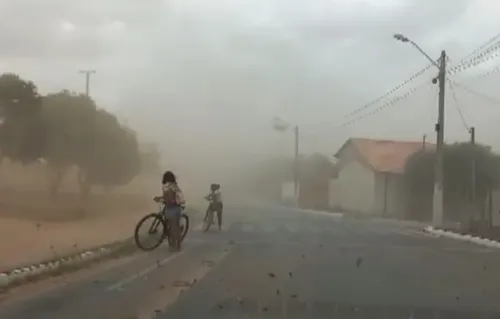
[(66, 129)]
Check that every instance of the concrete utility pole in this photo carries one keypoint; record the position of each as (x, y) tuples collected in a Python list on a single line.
[(438, 198), (472, 132), (87, 73), (296, 165), (282, 126)]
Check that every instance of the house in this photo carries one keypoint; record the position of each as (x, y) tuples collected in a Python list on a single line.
[(370, 176)]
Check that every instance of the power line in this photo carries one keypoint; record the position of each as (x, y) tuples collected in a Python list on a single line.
[(381, 108), (490, 72), (481, 47), (384, 106), (457, 105), (478, 94), (375, 101), (490, 53)]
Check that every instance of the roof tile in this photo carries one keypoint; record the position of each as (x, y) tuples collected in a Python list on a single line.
[(387, 155)]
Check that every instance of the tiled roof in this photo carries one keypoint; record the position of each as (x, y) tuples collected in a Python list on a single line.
[(385, 155)]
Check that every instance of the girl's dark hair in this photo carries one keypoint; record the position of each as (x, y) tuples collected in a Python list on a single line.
[(168, 177)]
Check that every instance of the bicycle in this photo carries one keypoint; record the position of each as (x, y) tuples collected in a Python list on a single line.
[(158, 219), (209, 220), (209, 217)]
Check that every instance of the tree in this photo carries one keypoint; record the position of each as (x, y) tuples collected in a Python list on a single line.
[(79, 134), (150, 159), (316, 171), (65, 129), (458, 177), (21, 132), (114, 157), (68, 121)]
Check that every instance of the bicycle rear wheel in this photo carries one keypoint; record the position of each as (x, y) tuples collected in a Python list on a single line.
[(184, 223), (208, 221), (156, 231)]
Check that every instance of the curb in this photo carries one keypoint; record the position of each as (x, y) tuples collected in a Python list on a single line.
[(64, 264), (323, 213), (467, 238)]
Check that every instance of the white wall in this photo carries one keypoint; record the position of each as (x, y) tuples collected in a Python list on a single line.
[(495, 213), (354, 188)]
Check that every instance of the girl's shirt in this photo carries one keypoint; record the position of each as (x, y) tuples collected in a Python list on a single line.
[(172, 194)]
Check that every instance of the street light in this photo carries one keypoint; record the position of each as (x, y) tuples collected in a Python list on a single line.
[(402, 38), (438, 200), (282, 126)]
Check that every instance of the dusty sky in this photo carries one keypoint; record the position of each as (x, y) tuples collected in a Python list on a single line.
[(209, 76)]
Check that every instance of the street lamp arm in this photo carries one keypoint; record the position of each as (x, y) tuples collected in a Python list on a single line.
[(403, 38), (424, 53)]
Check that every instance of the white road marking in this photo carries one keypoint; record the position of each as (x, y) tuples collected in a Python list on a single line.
[(293, 228), (247, 227), (268, 228), (119, 285)]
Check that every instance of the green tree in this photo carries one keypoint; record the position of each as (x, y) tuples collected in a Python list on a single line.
[(315, 172), (79, 134), (21, 132), (113, 158), (68, 121), (458, 177)]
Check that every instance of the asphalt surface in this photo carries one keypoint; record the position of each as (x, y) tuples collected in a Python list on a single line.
[(280, 263)]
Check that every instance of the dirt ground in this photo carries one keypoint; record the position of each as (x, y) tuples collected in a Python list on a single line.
[(35, 227)]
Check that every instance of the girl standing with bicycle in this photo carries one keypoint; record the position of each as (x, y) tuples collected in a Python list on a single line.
[(174, 199)]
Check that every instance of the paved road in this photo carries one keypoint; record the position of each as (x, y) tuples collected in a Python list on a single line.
[(280, 263)]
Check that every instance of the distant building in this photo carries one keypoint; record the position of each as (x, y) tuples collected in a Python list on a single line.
[(370, 176)]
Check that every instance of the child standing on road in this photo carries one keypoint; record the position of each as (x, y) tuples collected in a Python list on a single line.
[(215, 203)]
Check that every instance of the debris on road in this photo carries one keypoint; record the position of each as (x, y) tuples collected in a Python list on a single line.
[(359, 261), (181, 283), (208, 263)]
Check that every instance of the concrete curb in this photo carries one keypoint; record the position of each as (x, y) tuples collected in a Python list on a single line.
[(64, 264), (467, 238), (322, 213)]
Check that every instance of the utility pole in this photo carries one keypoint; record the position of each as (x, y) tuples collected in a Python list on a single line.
[(87, 73), (296, 166), (438, 199), (472, 132), (82, 177)]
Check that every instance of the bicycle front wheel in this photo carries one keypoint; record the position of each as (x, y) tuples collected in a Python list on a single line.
[(155, 231)]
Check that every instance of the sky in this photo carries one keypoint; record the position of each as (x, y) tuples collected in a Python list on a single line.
[(205, 79)]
